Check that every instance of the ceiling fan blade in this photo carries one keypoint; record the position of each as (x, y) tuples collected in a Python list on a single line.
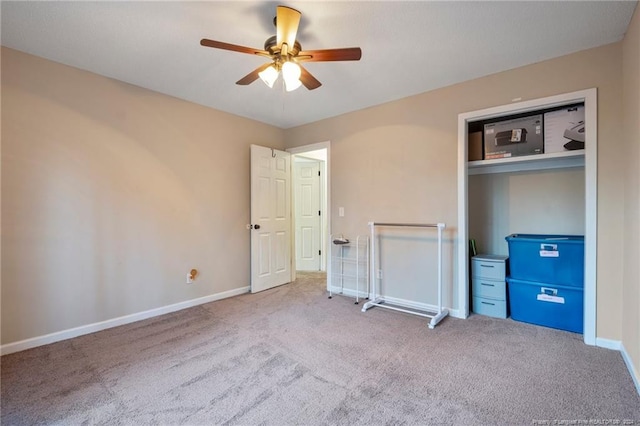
[(309, 81), (253, 75), (346, 54), (287, 22), (233, 47)]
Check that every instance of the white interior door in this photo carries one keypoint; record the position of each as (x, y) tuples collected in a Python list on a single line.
[(270, 218), (307, 214)]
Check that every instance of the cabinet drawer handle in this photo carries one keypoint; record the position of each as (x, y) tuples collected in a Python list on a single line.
[(487, 303), (487, 266), (489, 285)]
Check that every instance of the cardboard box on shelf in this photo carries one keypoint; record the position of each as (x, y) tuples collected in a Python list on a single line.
[(514, 137), (564, 129), (475, 146)]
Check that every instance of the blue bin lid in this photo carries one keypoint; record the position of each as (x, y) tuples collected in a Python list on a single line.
[(544, 238)]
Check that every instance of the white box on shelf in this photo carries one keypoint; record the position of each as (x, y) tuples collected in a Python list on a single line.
[(564, 130)]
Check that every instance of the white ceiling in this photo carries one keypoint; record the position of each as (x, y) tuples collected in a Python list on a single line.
[(407, 47)]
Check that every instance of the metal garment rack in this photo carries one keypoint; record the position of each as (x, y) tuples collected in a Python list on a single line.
[(380, 301)]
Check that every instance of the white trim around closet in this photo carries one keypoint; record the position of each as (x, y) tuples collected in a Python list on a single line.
[(589, 97)]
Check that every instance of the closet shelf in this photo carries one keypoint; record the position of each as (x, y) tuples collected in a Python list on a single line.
[(556, 160)]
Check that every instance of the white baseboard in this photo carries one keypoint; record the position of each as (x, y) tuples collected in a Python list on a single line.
[(617, 345), (115, 322), (455, 313), (632, 370), (608, 343)]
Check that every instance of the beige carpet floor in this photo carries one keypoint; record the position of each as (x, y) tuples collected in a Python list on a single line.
[(291, 356)]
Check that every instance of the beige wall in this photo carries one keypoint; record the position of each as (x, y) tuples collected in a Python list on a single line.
[(631, 147), (397, 161), (111, 194)]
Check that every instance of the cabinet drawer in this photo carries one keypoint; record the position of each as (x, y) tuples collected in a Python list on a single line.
[(493, 289), (488, 269), (490, 307)]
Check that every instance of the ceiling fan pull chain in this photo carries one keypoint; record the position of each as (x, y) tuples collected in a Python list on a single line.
[(282, 98)]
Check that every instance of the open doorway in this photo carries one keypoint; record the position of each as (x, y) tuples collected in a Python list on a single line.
[(310, 187), (307, 211)]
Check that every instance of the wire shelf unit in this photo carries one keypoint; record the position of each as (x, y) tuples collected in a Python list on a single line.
[(349, 266)]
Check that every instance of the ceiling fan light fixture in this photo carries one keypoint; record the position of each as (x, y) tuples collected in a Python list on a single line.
[(269, 76), (291, 71), (291, 75), (292, 85), (285, 52)]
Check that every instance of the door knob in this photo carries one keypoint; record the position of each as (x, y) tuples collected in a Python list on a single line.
[(256, 226)]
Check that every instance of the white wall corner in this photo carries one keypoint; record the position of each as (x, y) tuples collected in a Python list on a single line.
[(58, 336), (632, 370), (608, 344), (617, 345)]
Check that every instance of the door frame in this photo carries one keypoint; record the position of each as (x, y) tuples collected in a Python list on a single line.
[(326, 230)]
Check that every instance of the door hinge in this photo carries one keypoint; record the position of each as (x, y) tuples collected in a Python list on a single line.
[(318, 172), (319, 252), (319, 213)]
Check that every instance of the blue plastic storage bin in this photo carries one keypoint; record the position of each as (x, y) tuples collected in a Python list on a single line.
[(557, 259), (549, 305)]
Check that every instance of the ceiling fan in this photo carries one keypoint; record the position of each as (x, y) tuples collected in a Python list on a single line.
[(285, 54)]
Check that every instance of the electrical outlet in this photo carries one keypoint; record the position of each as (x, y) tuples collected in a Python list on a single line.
[(379, 274), (191, 275)]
